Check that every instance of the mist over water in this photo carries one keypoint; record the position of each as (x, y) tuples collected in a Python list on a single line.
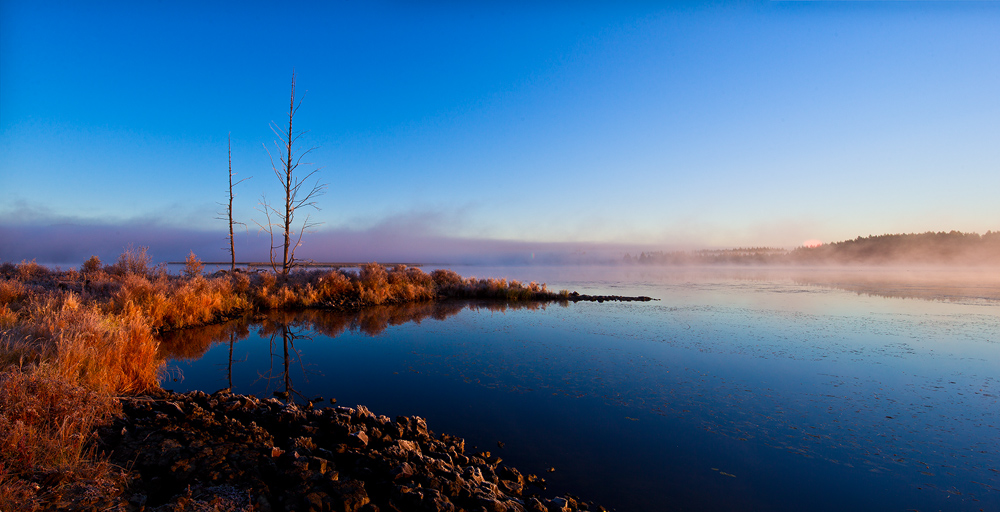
[(740, 389)]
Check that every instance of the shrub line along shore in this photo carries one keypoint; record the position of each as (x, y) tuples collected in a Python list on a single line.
[(73, 341), (309, 264)]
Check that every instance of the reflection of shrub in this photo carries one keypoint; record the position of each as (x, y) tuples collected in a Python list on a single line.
[(192, 344)]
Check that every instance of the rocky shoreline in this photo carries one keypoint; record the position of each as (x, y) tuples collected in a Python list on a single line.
[(225, 451)]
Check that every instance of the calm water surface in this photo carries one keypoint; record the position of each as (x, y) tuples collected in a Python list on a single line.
[(739, 389)]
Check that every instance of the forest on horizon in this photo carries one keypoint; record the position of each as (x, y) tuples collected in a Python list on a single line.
[(930, 248)]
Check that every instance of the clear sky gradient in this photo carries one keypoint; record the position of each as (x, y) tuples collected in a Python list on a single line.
[(447, 129)]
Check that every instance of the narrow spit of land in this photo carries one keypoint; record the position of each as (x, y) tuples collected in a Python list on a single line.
[(308, 264), (79, 352)]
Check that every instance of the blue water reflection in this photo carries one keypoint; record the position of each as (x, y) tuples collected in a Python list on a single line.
[(738, 390)]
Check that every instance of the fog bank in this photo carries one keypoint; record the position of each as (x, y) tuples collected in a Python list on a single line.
[(71, 243)]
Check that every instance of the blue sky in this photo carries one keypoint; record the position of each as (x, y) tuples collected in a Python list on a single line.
[(446, 129)]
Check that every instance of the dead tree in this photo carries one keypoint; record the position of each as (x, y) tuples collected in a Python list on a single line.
[(229, 208), (296, 196)]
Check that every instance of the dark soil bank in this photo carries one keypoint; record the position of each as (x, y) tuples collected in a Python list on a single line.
[(225, 451)]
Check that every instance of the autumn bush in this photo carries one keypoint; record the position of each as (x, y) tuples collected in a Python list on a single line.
[(98, 326), (451, 284), (72, 340)]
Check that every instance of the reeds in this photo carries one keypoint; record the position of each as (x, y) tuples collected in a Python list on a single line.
[(113, 353), (451, 284), (47, 427), (70, 341), (97, 326)]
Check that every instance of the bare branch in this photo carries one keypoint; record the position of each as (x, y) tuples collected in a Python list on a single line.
[(292, 185), (229, 208), (266, 209)]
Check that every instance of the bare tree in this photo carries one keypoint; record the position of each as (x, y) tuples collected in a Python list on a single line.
[(296, 196), (229, 207)]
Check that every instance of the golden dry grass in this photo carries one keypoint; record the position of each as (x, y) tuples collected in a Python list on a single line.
[(47, 426), (97, 326), (70, 341)]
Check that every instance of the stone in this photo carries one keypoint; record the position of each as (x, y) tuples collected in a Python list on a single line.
[(403, 471), (280, 456), (304, 443), (349, 496), (314, 501), (533, 505), (409, 447), (559, 504), (319, 464), (359, 439)]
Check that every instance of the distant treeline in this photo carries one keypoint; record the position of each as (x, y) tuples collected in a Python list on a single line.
[(951, 248)]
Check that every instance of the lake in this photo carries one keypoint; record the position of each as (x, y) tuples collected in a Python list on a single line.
[(739, 389)]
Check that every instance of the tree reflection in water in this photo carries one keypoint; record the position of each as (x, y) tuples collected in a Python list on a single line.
[(291, 326), (289, 335)]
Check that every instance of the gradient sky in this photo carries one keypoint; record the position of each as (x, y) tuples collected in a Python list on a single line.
[(500, 124)]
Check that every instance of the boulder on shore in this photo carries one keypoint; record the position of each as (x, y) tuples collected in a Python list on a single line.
[(225, 451)]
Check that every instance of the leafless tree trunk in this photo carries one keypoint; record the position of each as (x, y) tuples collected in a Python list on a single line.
[(295, 196), (229, 208)]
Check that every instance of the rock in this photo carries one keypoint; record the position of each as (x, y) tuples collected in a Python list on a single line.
[(559, 504), (409, 447), (403, 471), (350, 495), (319, 464), (359, 439), (305, 444), (473, 474), (533, 505), (278, 456), (362, 414)]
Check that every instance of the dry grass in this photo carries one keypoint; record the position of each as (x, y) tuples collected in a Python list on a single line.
[(47, 427), (112, 353), (452, 285), (97, 326), (70, 341)]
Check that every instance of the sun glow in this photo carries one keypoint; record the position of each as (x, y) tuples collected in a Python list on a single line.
[(812, 243)]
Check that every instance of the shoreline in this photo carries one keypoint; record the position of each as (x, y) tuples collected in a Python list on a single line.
[(83, 341), (195, 451)]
